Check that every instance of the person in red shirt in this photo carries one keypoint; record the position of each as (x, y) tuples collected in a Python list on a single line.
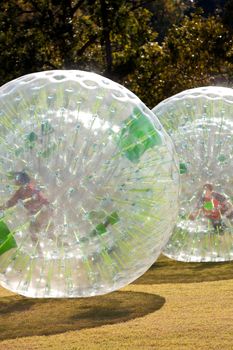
[(34, 201), (213, 206)]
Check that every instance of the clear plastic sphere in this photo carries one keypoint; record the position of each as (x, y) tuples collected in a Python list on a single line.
[(88, 183), (200, 122)]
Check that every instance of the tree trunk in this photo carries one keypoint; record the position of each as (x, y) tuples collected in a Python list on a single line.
[(105, 40)]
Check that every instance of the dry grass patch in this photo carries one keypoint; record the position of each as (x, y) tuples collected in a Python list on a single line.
[(170, 271), (145, 315)]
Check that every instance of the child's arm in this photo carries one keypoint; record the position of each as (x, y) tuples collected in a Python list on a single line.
[(228, 208), (197, 211), (13, 200), (194, 214)]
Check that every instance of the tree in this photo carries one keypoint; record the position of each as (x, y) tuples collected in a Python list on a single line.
[(100, 35), (167, 13), (117, 38), (195, 53), (210, 7)]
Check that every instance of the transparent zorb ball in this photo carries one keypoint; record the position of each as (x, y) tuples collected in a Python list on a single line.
[(88, 184), (200, 123)]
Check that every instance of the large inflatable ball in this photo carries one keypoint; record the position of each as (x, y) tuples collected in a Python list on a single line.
[(88, 185), (200, 122)]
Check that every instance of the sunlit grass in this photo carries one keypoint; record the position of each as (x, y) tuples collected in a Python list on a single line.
[(183, 306)]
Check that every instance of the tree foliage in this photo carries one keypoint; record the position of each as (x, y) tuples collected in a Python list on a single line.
[(156, 47), (197, 52)]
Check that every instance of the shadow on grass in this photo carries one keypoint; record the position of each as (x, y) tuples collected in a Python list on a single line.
[(166, 270), (22, 317)]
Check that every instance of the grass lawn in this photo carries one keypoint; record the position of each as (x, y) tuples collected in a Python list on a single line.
[(174, 306)]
